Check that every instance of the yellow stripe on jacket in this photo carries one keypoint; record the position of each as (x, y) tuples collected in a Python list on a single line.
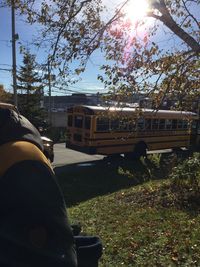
[(14, 152)]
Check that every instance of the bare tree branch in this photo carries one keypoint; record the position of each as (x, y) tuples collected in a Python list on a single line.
[(174, 27), (190, 14)]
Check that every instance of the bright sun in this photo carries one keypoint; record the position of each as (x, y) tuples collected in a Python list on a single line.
[(136, 10)]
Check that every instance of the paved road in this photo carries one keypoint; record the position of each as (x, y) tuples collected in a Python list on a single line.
[(65, 156)]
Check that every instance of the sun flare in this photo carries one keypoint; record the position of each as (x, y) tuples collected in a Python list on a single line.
[(136, 10)]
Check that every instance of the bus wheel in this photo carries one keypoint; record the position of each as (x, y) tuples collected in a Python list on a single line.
[(113, 158), (140, 150), (129, 156)]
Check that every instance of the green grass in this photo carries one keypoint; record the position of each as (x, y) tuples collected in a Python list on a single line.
[(140, 218)]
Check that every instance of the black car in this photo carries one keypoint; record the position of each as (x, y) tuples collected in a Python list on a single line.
[(48, 148)]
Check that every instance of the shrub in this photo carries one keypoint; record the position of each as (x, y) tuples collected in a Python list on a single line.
[(188, 172), (186, 180)]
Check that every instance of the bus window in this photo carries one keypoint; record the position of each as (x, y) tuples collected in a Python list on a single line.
[(155, 124), (180, 124), (198, 127), (132, 125), (102, 124), (114, 124), (185, 124), (78, 122), (70, 120), (168, 124), (174, 124), (194, 125), (148, 124), (123, 125), (162, 124), (140, 124), (87, 122)]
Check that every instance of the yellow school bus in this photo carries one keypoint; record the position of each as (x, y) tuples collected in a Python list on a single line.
[(129, 131)]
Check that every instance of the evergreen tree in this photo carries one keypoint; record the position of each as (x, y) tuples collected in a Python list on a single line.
[(29, 83)]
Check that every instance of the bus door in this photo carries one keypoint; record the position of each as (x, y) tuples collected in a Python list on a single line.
[(78, 128), (81, 132)]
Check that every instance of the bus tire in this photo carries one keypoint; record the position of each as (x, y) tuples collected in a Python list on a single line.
[(129, 156), (113, 159), (140, 150)]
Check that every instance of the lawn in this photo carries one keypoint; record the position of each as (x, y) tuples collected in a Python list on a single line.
[(141, 219)]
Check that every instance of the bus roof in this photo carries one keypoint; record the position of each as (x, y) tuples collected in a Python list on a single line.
[(95, 110)]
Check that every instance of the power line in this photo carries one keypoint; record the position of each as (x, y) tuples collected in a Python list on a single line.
[(55, 91), (83, 91), (7, 43), (6, 69), (79, 88), (67, 90), (3, 64)]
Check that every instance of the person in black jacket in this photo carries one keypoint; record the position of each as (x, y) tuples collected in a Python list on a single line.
[(34, 228)]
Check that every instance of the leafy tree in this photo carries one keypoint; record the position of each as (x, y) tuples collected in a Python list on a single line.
[(141, 64), (29, 83), (72, 30), (69, 31)]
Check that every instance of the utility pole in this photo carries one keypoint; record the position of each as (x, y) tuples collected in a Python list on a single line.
[(49, 84), (14, 37)]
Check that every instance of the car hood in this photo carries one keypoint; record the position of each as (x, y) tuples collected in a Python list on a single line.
[(44, 138)]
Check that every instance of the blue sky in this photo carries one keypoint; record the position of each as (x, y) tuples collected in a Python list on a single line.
[(26, 32), (88, 83)]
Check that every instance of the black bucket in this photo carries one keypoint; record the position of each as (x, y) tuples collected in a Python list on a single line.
[(89, 250)]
